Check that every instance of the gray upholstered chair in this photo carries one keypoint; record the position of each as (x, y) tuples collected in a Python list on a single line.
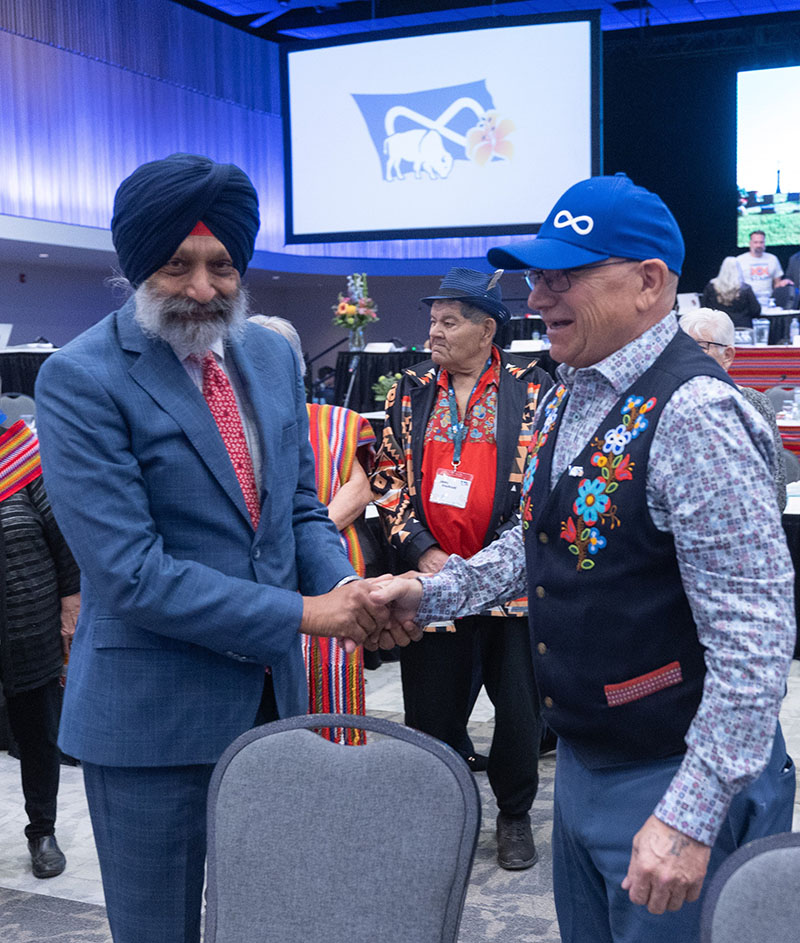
[(310, 840), (17, 405), (755, 895), (777, 395), (791, 466)]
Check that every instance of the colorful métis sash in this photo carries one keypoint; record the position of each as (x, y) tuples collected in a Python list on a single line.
[(336, 436), (19, 459), (336, 679)]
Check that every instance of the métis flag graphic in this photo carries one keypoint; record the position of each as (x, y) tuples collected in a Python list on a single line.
[(431, 129)]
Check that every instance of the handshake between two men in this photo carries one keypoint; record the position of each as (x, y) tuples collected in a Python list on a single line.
[(375, 613)]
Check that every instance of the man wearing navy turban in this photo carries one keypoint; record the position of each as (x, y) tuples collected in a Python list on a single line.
[(174, 441), (160, 203)]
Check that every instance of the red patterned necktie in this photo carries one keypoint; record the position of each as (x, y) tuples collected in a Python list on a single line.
[(218, 393)]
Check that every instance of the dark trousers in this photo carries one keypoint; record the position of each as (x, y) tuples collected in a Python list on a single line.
[(437, 675), (33, 718), (268, 708), (149, 827)]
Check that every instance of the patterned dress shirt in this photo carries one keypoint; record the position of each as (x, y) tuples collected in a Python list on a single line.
[(709, 485)]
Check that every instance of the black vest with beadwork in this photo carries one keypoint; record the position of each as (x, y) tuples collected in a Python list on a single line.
[(618, 664)]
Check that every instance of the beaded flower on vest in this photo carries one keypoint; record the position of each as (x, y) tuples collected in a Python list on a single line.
[(538, 441), (593, 507)]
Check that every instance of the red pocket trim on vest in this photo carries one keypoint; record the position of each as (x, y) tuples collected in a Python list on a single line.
[(640, 687)]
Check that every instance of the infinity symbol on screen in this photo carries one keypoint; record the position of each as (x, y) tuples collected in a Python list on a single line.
[(582, 225)]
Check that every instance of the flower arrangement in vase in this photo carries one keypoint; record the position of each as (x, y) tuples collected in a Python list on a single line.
[(355, 310)]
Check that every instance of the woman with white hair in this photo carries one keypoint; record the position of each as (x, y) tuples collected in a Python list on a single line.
[(715, 333), (343, 450), (727, 292)]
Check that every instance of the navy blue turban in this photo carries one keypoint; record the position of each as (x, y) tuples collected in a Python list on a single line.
[(157, 207)]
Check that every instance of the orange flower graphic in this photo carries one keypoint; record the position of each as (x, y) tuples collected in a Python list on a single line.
[(488, 139)]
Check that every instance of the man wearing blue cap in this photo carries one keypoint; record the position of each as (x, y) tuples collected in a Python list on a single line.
[(174, 442), (659, 581), (449, 474)]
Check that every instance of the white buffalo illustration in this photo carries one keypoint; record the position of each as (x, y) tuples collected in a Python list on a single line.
[(423, 149)]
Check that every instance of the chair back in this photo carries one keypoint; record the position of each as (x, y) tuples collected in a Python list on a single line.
[(17, 405), (755, 895), (777, 395), (312, 840), (791, 466)]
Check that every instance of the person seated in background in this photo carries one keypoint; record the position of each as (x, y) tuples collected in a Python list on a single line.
[(343, 451), (323, 388), (729, 293), (761, 270), (714, 332), (788, 296), (41, 599)]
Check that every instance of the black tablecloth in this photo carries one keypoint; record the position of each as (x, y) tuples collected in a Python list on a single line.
[(368, 367), (18, 369), (520, 329), (779, 327)]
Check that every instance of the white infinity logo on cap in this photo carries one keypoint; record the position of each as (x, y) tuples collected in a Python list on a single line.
[(582, 225)]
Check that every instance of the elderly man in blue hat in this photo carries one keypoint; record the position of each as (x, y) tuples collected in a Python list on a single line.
[(174, 442), (660, 584), (449, 474)]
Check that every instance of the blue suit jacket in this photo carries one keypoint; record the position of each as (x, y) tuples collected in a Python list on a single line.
[(182, 603)]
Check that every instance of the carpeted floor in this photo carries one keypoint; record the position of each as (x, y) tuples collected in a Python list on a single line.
[(507, 906), (511, 905), (500, 906), (39, 918)]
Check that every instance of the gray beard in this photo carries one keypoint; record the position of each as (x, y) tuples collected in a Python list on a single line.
[(187, 325)]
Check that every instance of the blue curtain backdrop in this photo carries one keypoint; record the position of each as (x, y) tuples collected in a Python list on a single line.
[(89, 91)]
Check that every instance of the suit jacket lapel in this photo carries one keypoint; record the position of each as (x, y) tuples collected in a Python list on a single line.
[(159, 372), (255, 368)]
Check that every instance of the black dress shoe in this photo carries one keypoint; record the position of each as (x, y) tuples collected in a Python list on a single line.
[(477, 762), (46, 857), (515, 848)]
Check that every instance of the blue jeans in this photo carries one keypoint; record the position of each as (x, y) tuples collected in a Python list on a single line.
[(597, 813)]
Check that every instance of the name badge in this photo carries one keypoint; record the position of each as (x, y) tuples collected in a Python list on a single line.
[(451, 487)]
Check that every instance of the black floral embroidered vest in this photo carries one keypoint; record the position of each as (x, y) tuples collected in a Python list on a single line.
[(618, 664)]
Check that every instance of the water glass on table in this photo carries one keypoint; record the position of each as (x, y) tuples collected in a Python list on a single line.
[(761, 331)]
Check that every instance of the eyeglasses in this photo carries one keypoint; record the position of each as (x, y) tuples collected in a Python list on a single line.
[(704, 345), (558, 280)]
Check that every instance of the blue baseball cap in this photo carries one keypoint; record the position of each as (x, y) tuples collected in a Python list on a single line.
[(594, 220)]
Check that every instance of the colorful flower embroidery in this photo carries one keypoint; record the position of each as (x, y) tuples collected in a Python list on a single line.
[(591, 501), (616, 440), (592, 507), (596, 540), (622, 472), (538, 439), (551, 411), (482, 418)]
